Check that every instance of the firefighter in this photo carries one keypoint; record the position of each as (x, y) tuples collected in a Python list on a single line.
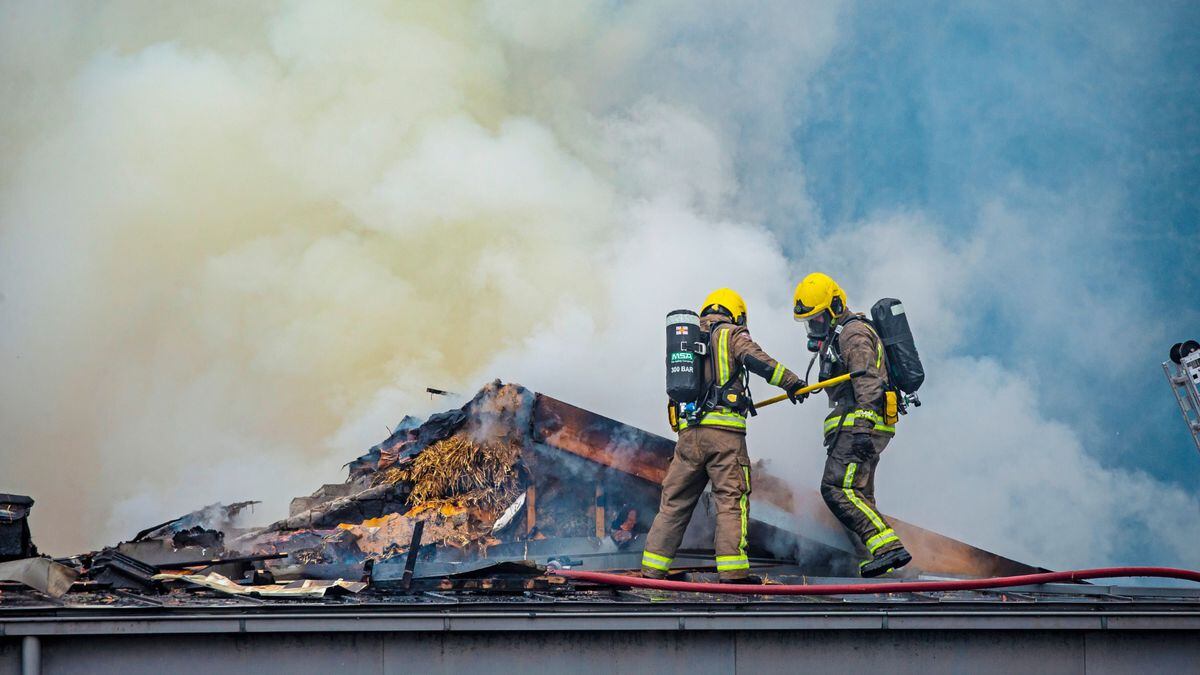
[(856, 429), (712, 444)]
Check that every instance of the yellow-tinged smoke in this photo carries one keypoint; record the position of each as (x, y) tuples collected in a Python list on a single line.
[(226, 230)]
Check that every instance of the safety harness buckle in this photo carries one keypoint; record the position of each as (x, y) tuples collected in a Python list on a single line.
[(700, 347)]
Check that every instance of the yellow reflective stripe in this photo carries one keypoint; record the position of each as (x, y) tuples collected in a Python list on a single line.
[(878, 354), (848, 490), (731, 420), (869, 415), (656, 562), (723, 357), (732, 562), (874, 418), (885, 537), (721, 417), (777, 376), (744, 504)]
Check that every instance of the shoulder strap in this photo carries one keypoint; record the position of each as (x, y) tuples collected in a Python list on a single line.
[(723, 367), (883, 362), (858, 317), (837, 331)]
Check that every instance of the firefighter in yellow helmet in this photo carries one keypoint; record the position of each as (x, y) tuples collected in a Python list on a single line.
[(860, 424), (712, 444)]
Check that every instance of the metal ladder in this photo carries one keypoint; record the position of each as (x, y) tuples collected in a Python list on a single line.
[(1184, 376)]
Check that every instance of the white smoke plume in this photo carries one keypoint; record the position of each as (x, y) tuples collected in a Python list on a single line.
[(236, 243)]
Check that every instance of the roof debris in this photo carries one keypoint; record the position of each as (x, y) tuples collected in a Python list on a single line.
[(498, 488), (307, 588), (42, 574)]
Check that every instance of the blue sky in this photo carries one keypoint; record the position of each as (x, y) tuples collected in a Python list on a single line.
[(1081, 116)]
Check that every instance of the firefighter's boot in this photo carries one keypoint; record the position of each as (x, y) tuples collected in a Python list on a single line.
[(749, 579), (885, 562)]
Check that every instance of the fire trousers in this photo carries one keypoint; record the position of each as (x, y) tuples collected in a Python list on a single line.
[(703, 454), (848, 487)]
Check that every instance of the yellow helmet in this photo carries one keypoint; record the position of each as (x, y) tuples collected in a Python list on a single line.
[(728, 300), (817, 293)]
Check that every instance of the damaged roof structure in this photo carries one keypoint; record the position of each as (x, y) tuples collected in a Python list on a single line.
[(450, 524)]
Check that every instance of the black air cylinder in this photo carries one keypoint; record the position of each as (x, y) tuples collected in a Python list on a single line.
[(15, 542), (904, 365), (685, 366)]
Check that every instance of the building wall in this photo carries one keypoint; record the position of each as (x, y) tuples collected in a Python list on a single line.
[(608, 652), (10, 656)]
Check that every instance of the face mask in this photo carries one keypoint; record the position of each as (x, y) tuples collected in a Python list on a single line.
[(817, 327)]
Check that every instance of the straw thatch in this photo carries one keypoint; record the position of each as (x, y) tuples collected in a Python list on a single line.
[(458, 470)]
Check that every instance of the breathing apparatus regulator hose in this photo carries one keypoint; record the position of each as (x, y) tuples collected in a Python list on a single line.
[(883, 587)]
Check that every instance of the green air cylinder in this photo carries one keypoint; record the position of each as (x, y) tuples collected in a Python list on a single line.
[(685, 356)]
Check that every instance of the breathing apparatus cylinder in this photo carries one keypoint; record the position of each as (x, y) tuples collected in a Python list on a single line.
[(904, 364), (686, 349)]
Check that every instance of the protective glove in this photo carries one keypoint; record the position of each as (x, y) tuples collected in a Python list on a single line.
[(860, 443), (795, 397)]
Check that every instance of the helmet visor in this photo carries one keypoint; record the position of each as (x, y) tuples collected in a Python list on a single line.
[(817, 325)]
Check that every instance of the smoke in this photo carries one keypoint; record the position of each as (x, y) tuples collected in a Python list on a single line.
[(236, 244), (222, 238)]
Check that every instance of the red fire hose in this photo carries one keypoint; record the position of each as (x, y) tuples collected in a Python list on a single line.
[(886, 587)]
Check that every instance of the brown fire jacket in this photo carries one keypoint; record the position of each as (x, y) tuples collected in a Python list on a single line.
[(861, 399), (731, 353)]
